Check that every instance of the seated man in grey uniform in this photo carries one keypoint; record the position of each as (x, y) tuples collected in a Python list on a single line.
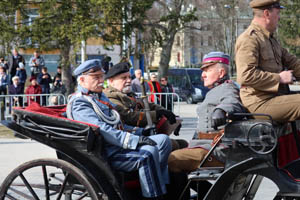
[(126, 147), (220, 102)]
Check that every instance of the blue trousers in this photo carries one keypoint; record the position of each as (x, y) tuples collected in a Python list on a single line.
[(150, 161)]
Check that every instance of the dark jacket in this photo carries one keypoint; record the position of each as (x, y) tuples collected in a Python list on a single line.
[(16, 90), (13, 64), (44, 83), (22, 75)]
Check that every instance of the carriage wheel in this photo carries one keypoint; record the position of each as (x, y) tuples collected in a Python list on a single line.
[(48, 179)]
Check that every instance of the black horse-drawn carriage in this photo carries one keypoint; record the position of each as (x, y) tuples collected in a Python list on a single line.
[(81, 172)]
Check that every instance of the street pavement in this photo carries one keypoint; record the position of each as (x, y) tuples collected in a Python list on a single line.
[(17, 151)]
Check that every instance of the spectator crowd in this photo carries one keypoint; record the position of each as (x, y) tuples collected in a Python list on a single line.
[(14, 80), (13, 77)]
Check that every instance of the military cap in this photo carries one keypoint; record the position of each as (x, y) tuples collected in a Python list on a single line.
[(264, 4), (117, 69), (215, 57), (94, 64)]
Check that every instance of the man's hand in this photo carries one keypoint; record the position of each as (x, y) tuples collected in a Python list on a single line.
[(286, 77), (145, 141), (218, 118), (168, 114), (176, 131), (148, 131)]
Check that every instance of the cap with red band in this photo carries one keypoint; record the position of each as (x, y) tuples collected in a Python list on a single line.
[(215, 57)]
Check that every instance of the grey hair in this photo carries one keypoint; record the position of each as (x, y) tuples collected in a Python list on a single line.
[(224, 66)]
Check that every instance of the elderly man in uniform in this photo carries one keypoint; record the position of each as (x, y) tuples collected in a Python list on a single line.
[(264, 68), (219, 104), (130, 109), (126, 149)]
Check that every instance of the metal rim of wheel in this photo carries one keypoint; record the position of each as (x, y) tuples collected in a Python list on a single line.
[(48, 179)]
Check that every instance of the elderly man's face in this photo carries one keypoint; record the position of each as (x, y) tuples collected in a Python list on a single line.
[(16, 81), (138, 74), (212, 74), (93, 81), (121, 82), (153, 77)]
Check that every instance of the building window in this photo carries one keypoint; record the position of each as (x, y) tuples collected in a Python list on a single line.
[(32, 14)]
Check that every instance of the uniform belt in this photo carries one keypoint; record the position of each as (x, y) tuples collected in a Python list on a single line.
[(209, 135)]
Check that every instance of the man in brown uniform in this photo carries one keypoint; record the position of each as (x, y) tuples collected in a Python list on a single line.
[(131, 109), (264, 68)]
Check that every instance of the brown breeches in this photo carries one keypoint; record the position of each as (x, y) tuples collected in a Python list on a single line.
[(189, 159), (281, 108)]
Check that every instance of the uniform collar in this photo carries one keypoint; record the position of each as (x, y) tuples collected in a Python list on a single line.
[(261, 29)]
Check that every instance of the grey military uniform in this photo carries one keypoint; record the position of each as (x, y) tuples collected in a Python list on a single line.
[(225, 97)]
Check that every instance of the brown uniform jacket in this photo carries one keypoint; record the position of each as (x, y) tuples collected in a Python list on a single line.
[(259, 60), (129, 108)]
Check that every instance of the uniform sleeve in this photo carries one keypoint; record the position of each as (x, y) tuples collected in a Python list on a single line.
[(291, 62), (83, 111), (248, 71), (230, 100)]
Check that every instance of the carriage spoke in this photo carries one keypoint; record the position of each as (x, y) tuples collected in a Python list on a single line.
[(20, 193), (63, 187), (29, 187), (10, 197), (46, 182)]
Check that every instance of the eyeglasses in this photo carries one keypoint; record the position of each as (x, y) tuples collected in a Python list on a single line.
[(162, 80)]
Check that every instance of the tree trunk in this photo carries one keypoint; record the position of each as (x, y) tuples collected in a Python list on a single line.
[(166, 55), (66, 68)]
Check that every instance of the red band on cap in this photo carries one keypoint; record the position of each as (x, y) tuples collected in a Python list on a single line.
[(217, 60)]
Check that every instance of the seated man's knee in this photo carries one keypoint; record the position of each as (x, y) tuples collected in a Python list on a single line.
[(162, 141)]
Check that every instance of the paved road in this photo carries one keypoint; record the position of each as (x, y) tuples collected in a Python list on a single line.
[(17, 151)]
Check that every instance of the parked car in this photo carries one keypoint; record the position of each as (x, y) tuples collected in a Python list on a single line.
[(188, 84)]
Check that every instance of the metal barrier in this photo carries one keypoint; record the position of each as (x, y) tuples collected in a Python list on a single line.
[(167, 100), (9, 101)]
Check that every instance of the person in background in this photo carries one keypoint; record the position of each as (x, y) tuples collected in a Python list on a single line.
[(167, 99), (154, 88), (36, 64), (13, 62), (57, 88), (136, 83), (21, 73), (16, 89), (44, 80), (3, 63), (58, 74), (33, 88), (3, 81)]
